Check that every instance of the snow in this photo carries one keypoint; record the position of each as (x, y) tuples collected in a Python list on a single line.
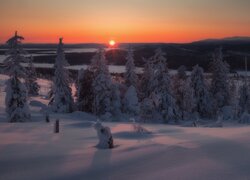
[(33, 151)]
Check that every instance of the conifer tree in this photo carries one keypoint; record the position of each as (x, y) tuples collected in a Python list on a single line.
[(31, 79), (101, 85), (220, 81), (85, 95), (244, 101), (203, 99), (147, 79), (162, 93), (130, 102), (61, 100), (131, 78), (16, 93)]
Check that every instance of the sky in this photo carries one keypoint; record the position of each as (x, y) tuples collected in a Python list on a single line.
[(98, 21)]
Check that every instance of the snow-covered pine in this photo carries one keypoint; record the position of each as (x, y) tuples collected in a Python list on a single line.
[(244, 100), (16, 93), (78, 83), (187, 104), (162, 94), (203, 100), (130, 101), (31, 79), (61, 101), (220, 81), (98, 63), (85, 95), (101, 85), (147, 109), (131, 78), (181, 72), (179, 85), (146, 79), (116, 100)]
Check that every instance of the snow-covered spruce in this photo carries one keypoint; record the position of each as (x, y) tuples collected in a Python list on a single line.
[(116, 100), (130, 102), (220, 81), (85, 94), (203, 100), (131, 78), (184, 93), (16, 93), (61, 100), (104, 136), (147, 109), (244, 100), (162, 94), (31, 79), (101, 85), (147, 79), (187, 104), (138, 128)]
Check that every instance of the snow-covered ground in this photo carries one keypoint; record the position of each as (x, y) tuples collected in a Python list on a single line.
[(32, 151)]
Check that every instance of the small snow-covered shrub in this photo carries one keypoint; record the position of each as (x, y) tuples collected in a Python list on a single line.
[(104, 136), (138, 128)]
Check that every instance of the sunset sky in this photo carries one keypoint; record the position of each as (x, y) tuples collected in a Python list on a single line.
[(80, 21)]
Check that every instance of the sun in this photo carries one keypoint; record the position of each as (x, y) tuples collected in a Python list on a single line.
[(112, 43)]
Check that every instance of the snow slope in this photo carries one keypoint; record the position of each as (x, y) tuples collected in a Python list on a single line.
[(32, 151)]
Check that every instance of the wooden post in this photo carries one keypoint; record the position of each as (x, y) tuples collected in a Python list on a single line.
[(47, 118), (56, 127)]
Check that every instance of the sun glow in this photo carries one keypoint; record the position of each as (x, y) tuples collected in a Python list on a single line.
[(112, 43)]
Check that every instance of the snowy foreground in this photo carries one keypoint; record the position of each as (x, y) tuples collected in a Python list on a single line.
[(33, 151)]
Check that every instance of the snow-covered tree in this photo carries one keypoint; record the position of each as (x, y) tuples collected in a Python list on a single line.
[(220, 81), (181, 72), (147, 79), (147, 108), (203, 100), (16, 93), (31, 79), (179, 85), (85, 95), (116, 100), (162, 94), (131, 78), (101, 85), (187, 105), (244, 101), (130, 101), (98, 63), (79, 81), (61, 100)]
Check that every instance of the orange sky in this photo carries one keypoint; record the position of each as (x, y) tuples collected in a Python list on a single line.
[(80, 21)]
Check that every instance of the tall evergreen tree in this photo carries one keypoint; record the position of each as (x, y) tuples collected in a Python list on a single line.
[(16, 93), (162, 93), (179, 85), (147, 79), (220, 82), (244, 101), (31, 79), (61, 100), (130, 102), (131, 78), (116, 100), (101, 85), (85, 95), (203, 100)]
